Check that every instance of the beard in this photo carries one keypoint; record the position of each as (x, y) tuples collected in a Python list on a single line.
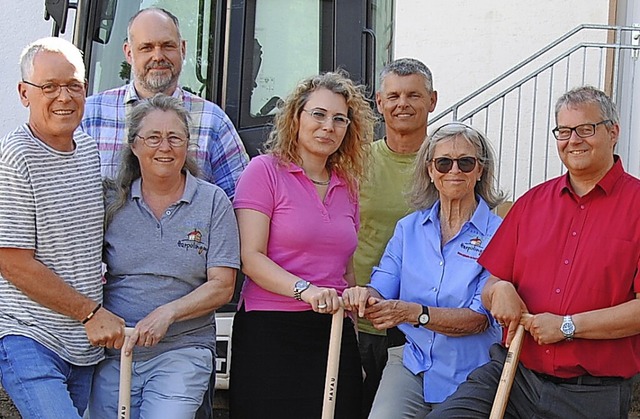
[(157, 83)]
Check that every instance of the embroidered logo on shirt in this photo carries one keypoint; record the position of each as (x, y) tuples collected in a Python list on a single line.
[(472, 249), (193, 241)]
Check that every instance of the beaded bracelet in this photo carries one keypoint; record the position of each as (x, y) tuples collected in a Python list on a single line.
[(93, 313)]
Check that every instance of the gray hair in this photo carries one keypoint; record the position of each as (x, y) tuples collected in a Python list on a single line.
[(423, 193), (407, 67), (589, 95), (55, 45), (154, 9), (129, 169)]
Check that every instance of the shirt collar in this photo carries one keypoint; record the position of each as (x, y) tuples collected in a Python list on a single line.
[(607, 182), (294, 168), (131, 95), (479, 219), (190, 187)]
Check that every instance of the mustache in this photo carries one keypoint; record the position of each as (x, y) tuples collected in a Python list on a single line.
[(158, 64)]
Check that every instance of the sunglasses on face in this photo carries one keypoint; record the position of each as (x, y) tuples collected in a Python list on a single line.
[(445, 164)]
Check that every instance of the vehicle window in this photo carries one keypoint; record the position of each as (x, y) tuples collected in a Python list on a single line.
[(281, 55), (109, 68)]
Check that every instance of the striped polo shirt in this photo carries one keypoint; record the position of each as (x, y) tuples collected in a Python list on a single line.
[(51, 201)]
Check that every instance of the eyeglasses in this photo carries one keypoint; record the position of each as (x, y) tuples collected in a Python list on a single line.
[(445, 164), (321, 116), (155, 140), (52, 90), (582, 131)]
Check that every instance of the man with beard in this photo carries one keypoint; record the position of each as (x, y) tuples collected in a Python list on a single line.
[(155, 50)]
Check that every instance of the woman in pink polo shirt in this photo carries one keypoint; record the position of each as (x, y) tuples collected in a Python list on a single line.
[(297, 210)]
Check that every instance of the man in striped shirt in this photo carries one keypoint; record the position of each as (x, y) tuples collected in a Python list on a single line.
[(52, 325)]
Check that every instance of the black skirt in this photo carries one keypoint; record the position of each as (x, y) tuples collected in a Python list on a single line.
[(279, 362)]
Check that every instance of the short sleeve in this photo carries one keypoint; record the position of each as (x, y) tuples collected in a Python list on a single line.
[(17, 204), (257, 185)]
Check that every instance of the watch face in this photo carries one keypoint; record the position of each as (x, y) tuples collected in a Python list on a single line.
[(301, 285), (423, 319), (567, 328)]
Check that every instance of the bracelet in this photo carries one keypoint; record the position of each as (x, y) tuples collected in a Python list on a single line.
[(93, 313)]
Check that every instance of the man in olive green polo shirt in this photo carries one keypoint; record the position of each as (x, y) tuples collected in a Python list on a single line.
[(405, 99)]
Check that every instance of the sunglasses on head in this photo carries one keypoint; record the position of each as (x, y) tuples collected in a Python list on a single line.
[(445, 164)]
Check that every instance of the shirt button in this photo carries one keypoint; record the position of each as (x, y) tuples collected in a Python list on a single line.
[(557, 290), (168, 212), (581, 206), (441, 263), (435, 289), (566, 262), (157, 225), (574, 233), (547, 352)]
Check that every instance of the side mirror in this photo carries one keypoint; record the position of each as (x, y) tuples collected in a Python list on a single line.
[(57, 9)]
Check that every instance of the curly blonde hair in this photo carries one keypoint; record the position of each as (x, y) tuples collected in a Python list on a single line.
[(349, 160)]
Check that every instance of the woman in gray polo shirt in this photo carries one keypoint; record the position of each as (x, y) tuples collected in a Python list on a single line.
[(171, 250)]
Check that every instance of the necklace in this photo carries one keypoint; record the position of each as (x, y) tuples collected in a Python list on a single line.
[(323, 183)]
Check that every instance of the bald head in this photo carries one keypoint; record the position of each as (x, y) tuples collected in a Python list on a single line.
[(159, 13)]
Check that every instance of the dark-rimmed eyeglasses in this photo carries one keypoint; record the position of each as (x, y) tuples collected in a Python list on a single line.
[(154, 140), (582, 130), (321, 116), (445, 164), (52, 90)]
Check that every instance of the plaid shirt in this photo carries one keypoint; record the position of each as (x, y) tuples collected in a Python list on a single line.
[(221, 155)]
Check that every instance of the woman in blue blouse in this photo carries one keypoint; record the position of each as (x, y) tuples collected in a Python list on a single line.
[(428, 282)]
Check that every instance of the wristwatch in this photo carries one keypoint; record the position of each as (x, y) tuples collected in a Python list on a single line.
[(568, 328), (299, 287), (423, 318)]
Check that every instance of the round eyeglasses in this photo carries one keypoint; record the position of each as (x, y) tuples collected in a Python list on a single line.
[(445, 164), (154, 140), (52, 90), (321, 116)]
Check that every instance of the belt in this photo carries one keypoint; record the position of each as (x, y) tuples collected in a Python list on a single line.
[(581, 380)]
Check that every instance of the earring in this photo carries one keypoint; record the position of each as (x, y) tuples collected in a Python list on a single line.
[(479, 179)]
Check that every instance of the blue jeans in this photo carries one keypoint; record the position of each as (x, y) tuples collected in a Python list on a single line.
[(40, 383), (170, 385)]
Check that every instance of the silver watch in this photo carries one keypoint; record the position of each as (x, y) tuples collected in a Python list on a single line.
[(299, 287), (568, 329)]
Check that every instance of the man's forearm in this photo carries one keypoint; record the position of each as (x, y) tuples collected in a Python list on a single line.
[(42, 285)]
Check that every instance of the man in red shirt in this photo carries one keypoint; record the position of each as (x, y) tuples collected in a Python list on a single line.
[(568, 253)]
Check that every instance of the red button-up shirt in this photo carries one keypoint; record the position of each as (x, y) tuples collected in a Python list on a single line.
[(567, 254)]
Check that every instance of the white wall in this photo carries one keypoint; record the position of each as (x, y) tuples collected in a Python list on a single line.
[(467, 43), (21, 22)]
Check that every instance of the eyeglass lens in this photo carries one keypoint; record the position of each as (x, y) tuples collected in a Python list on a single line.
[(321, 116), (445, 164), (155, 140)]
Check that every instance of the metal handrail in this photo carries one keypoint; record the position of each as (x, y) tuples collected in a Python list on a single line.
[(539, 71), (518, 119), (454, 108)]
